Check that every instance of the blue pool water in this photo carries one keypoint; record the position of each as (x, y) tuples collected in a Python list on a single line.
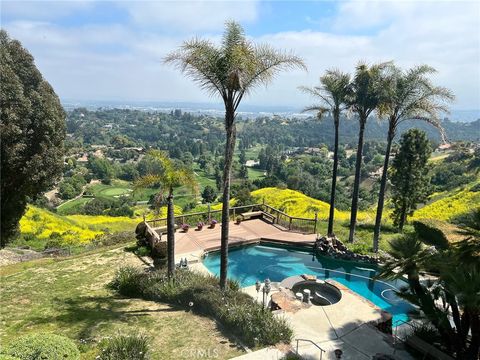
[(247, 264)]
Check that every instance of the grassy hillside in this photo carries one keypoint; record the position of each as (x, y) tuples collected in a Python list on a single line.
[(68, 296)]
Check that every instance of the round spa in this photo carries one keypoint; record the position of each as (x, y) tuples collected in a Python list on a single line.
[(321, 293)]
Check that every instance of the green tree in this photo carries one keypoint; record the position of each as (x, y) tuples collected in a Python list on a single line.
[(453, 296), (209, 194), (66, 190), (32, 128), (410, 177), (242, 157), (101, 168), (243, 173), (170, 177), (244, 197), (365, 96), (410, 95), (332, 94), (230, 71)]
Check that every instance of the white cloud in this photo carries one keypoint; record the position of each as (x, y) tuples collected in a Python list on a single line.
[(186, 16), (122, 62), (42, 10)]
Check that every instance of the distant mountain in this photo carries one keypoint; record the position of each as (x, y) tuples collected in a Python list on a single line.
[(464, 115), (216, 109)]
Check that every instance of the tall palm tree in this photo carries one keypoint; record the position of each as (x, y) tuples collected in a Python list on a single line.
[(231, 71), (366, 95), (332, 94), (170, 176), (409, 95)]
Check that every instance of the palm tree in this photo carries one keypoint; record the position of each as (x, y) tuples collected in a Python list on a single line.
[(366, 95), (332, 93), (231, 71), (409, 95), (168, 177), (457, 273)]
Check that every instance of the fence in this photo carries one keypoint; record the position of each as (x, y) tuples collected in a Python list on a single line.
[(292, 223)]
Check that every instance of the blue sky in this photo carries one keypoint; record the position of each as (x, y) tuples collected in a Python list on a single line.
[(113, 50)]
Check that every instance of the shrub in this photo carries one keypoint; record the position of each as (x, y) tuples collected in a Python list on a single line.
[(432, 232), (8, 357), (131, 347), (235, 310), (42, 346), (142, 251), (113, 239), (427, 333), (128, 281)]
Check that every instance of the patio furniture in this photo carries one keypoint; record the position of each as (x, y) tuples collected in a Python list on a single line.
[(258, 214)]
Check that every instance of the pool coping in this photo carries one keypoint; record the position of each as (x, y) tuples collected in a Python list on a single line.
[(260, 241), (385, 316)]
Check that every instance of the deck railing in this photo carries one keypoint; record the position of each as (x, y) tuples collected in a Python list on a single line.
[(292, 223)]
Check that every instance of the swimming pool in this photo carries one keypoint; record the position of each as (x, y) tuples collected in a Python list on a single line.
[(247, 264)]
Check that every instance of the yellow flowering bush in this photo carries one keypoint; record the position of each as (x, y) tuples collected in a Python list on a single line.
[(295, 203), (450, 206), (41, 224)]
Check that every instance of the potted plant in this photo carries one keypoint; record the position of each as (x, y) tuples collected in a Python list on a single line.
[(200, 225), (239, 219), (185, 227), (213, 222)]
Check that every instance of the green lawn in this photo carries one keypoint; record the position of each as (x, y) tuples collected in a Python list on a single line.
[(69, 297), (254, 174), (73, 206)]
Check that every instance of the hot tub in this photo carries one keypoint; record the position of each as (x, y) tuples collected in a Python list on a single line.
[(321, 293)]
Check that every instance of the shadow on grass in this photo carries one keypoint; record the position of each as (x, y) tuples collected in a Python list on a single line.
[(87, 312)]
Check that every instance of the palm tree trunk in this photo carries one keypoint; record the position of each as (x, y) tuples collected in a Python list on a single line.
[(229, 149), (356, 184), (170, 235), (473, 350), (334, 177), (381, 194), (403, 215)]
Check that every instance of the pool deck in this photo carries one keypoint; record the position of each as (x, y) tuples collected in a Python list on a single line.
[(346, 325), (193, 244)]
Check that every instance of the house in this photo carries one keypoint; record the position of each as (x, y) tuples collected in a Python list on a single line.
[(377, 173), (83, 158), (251, 163), (444, 147)]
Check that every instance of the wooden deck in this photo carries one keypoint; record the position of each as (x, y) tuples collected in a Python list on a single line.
[(248, 231)]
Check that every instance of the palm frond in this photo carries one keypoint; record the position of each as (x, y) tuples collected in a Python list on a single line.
[(201, 61), (268, 62)]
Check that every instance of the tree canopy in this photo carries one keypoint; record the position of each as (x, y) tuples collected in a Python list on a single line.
[(32, 131)]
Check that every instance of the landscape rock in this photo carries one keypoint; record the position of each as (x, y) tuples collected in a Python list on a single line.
[(334, 247)]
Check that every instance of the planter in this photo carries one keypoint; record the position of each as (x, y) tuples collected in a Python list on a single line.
[(199, 228)]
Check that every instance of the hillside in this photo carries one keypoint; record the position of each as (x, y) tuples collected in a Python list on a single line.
[(39, 227), (68, 296), (453, 204), (295, 203)]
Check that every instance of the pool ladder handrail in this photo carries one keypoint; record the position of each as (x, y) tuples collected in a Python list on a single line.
[(310, 341)]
